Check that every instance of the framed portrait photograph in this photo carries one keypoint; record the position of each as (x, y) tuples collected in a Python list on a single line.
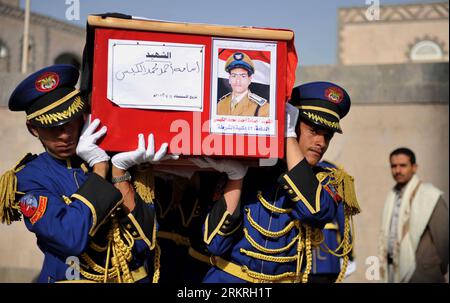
[(243, 85)]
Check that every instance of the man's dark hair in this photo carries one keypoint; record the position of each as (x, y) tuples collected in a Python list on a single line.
[(404, 151)]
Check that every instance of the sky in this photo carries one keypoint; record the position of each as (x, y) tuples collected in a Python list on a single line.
[(314, 22)]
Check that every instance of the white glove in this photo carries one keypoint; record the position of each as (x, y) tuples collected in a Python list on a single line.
[(86, 148), (141, 155), (234, 169), (291, 121)]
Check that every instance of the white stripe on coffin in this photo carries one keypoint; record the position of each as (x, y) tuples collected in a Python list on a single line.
[(261, 75)]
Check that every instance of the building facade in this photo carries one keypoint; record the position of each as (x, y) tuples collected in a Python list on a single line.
[(402, 34), (50, 41)]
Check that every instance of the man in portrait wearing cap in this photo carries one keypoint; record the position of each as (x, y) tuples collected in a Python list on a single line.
[(241, 101), (78, 217), (263, 227)]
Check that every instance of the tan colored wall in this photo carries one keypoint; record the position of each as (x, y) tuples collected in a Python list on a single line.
[(371, 132), (20, 259), (388, 42)]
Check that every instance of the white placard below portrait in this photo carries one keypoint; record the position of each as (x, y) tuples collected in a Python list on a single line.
[(155, 75)]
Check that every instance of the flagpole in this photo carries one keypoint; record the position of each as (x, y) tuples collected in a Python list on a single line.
[(25, 44)]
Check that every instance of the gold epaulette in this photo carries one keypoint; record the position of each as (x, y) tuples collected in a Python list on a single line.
[(345, 186), (144, 182), (9, 206)]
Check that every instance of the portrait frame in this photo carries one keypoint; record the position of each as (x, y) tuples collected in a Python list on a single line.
[(262, 88)]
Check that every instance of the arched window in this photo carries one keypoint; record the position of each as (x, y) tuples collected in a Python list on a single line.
[(68, 58), (426, 50), (4, 57)]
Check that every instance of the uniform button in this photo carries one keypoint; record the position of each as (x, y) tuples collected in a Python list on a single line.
[(285, 187), (129, 226), (227, 222), (290, 191), (134, 233)]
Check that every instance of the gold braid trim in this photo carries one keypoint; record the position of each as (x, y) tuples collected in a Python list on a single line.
[(75, 107), (321, 119), (268, 233), (335, 253), (268, 258), (300, 247), (347, 245), (121, 256), (268, 250), (345, 186), (308, 252), (97, 268), (157, 264), (9, 208), (144, 182), (271, 207), (264, 277), (122, 251)]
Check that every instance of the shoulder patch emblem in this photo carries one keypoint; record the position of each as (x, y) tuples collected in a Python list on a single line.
[(40, 210), (258, 99), (31, 208), (28, 205)]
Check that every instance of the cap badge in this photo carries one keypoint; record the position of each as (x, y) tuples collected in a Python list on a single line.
[(238, 56), (334, 94), (47, 82)]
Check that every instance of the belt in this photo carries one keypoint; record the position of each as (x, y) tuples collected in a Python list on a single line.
[(242, 272), (178, 239), (199, 256)]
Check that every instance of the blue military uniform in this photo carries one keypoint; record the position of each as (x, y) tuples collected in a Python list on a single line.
[(327, 265), (182, 205), (270, 235), (74, 213)]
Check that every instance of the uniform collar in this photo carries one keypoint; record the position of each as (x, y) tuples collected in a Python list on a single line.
[(69, 163)]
